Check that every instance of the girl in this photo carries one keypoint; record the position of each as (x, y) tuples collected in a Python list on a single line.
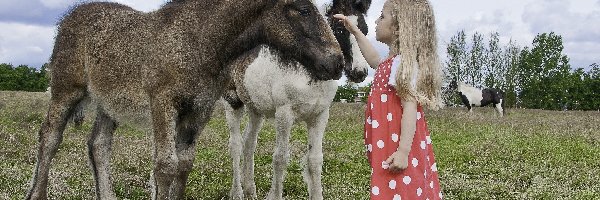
[(398, 144)]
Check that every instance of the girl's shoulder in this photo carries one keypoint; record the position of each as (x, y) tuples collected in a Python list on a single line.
[(389, 59)]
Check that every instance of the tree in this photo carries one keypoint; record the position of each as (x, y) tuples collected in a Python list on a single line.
[(455, 65), (510, 62), (457, 54), (22, 78), (590, 97), (476, 60), (494, 68), (544, 70), (367, 90), (7, 77), (346, 91)]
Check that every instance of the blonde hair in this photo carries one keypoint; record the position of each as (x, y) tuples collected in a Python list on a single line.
[(416, 43)]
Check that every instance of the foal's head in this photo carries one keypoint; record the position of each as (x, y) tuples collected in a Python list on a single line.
[(298, 32), (355, 64)]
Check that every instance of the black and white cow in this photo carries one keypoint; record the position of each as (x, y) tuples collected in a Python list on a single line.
[(472, 96)]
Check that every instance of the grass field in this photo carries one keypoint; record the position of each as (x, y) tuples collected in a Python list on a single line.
[(529, 154)]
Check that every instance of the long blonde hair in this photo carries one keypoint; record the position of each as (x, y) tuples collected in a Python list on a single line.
[(416, 43)]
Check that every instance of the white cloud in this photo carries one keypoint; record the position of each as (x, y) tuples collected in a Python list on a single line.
[(25, 44), (521, 21), (142, 5), (27, 28), (573, 22), (57, 4)]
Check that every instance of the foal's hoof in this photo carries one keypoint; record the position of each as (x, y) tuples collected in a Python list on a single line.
[(236, 194), (36, 195), (250, 192), (273, 196)]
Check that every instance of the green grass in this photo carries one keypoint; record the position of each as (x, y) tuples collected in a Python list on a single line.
[(529, 154)]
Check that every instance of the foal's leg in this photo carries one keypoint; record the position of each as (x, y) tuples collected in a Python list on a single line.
[(99, 151), (284, 120), (165, 158), (499, 108), (250, 139), (189, 124), (234, 117), (62, 105), (314, 157)]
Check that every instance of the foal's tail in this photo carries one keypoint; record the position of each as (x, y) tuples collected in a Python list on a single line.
[(79, 114)]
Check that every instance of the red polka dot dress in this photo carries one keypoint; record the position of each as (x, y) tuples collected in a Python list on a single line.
[(382, 134)]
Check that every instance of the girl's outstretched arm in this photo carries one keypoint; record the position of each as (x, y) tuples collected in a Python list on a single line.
[(399, 159), (366, 48)]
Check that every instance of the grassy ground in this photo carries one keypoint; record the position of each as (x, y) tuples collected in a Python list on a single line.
[(529, 154)]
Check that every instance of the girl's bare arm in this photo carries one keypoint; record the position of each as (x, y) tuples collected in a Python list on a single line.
[(408, 126), (399, 159), (366, 48)]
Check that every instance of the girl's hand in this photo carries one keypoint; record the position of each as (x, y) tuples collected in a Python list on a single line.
[(347, 23), (398, 161)]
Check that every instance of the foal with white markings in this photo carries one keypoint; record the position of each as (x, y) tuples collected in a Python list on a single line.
[(270, 85)]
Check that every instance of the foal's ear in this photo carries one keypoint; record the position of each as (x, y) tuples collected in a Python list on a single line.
[(361, 6)]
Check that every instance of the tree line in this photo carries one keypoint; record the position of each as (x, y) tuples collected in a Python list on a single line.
[(23, 78), (537, 77)]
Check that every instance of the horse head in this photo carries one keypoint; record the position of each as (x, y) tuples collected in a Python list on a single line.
[(355, 64), (296, 31)]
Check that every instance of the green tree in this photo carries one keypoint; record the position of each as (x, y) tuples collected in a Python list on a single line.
[(7, 77), (455, 65), (476, 60), (510, 62), (367, 90), (22, 78), (494, 68), (544, 71), (590, 99), (577, 89), (346, 91)]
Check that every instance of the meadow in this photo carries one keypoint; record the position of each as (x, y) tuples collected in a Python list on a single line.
[(529, 154)]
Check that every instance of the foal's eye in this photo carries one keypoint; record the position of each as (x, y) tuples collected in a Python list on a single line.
[(304, 12)]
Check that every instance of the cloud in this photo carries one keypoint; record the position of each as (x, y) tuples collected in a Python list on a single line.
[(29, 12), (48, 12), (27, 28), (56, 4), (142, 5), (581, 39), (31, 45), (521, 21)]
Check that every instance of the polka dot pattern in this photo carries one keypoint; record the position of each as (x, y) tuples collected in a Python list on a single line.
[(383, 117), (395, 137), (375, 190), (392, 184), (406, 180), (415, 162)]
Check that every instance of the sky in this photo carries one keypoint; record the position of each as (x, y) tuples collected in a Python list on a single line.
[(28, 27)]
